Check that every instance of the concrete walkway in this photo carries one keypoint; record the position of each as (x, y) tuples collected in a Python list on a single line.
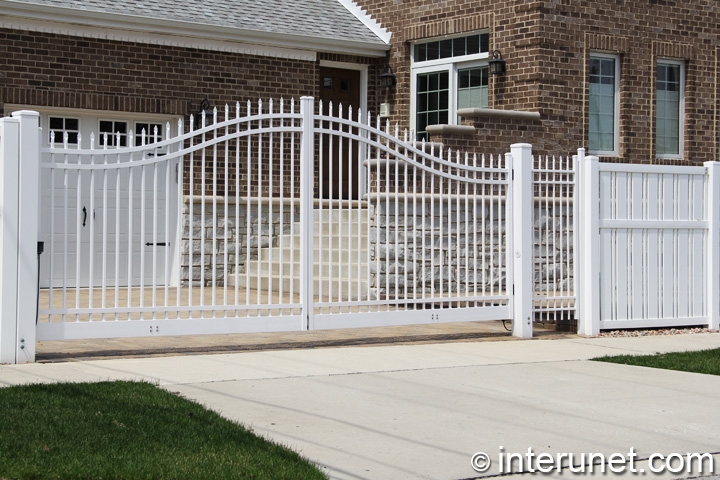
[(423, 410)]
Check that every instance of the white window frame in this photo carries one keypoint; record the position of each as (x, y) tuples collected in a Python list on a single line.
[(60, 140), (111, 141), (615, 152), (681, 110), (451, 65)]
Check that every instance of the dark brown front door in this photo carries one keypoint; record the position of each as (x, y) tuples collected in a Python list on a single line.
[(340, 163)]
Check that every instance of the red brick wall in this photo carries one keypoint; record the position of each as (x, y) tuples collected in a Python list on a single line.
[(62, 71), (546, 45)]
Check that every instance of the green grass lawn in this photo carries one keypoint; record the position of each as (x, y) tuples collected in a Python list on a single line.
[(703, 361), (130, 430)]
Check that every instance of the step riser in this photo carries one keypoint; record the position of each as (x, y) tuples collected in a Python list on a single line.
[(349, 288), (334, 271), (344, 257)]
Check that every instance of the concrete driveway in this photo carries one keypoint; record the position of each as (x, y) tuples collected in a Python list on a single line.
[(423, 411)]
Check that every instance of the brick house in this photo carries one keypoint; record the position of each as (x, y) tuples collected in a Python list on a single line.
[(100, 63), (632, 81)]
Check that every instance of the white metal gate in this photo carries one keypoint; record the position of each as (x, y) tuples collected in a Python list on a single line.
[(230, 229)]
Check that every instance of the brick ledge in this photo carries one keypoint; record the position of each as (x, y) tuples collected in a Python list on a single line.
[(495, 113), (450, 130)]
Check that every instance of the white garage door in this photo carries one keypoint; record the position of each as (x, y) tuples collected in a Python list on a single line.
[(110, 226)]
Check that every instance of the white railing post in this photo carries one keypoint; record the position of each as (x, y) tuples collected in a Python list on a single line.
[(9, 216), (589, 246), (307, 173), (522, 239), (578, 225), (28, 233), (713, 245), (19, 218)]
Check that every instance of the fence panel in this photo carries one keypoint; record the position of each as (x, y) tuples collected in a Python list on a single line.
[(554, 242), (653, 224)]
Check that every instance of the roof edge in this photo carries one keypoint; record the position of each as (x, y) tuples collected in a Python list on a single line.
[(146, 30), (367, 20)]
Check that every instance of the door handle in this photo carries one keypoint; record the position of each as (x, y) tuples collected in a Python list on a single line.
[(84, 216)]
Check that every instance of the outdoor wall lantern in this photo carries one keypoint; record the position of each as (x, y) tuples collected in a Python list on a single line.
[(205, 108), (387, 78), (497, 64)]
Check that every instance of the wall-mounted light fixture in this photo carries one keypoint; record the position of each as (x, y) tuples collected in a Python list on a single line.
[(387, 78), (205, 108), (497, 64)]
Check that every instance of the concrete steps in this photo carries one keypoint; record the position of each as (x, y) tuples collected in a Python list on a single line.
[(340, 267)]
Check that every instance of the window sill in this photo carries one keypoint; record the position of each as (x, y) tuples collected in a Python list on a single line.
[(450, 130), (495, 113)]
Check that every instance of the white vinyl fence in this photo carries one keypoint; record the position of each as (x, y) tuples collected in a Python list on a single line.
[(649, 250)]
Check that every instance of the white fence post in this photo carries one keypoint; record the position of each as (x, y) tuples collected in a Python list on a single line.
[(9, 214), (307, 172), (713, 245), (20, 183), (588, 258), (522, 238), (29, 203)]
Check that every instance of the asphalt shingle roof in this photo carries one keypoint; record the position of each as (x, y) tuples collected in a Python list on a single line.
[(324, 19)]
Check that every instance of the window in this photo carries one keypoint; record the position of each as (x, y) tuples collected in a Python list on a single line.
[(153, 133), (116, 133), (669, 97), (448, 74), (59, 126), (603, 122)]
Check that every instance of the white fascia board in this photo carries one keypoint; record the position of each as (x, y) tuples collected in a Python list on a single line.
[(367, 20), (164, 32)]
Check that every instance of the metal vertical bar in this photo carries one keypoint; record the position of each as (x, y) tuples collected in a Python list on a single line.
[(329, 193), (156, 189), (168, 210), (78, 229), (180, 169), (396, 207), (248, 205), (103, 281), (407, 229), (281, 212), (118, 175), (371, 209), (258, 283), (203, 177), (292, 202), (474, 228), (191, 217), (131, 232), (307, 107), (143, 203), (339, 220), (423, 269), (237, 206), (498, 202), (226, 207), (270, 207), (213, 247), (361, 231)]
